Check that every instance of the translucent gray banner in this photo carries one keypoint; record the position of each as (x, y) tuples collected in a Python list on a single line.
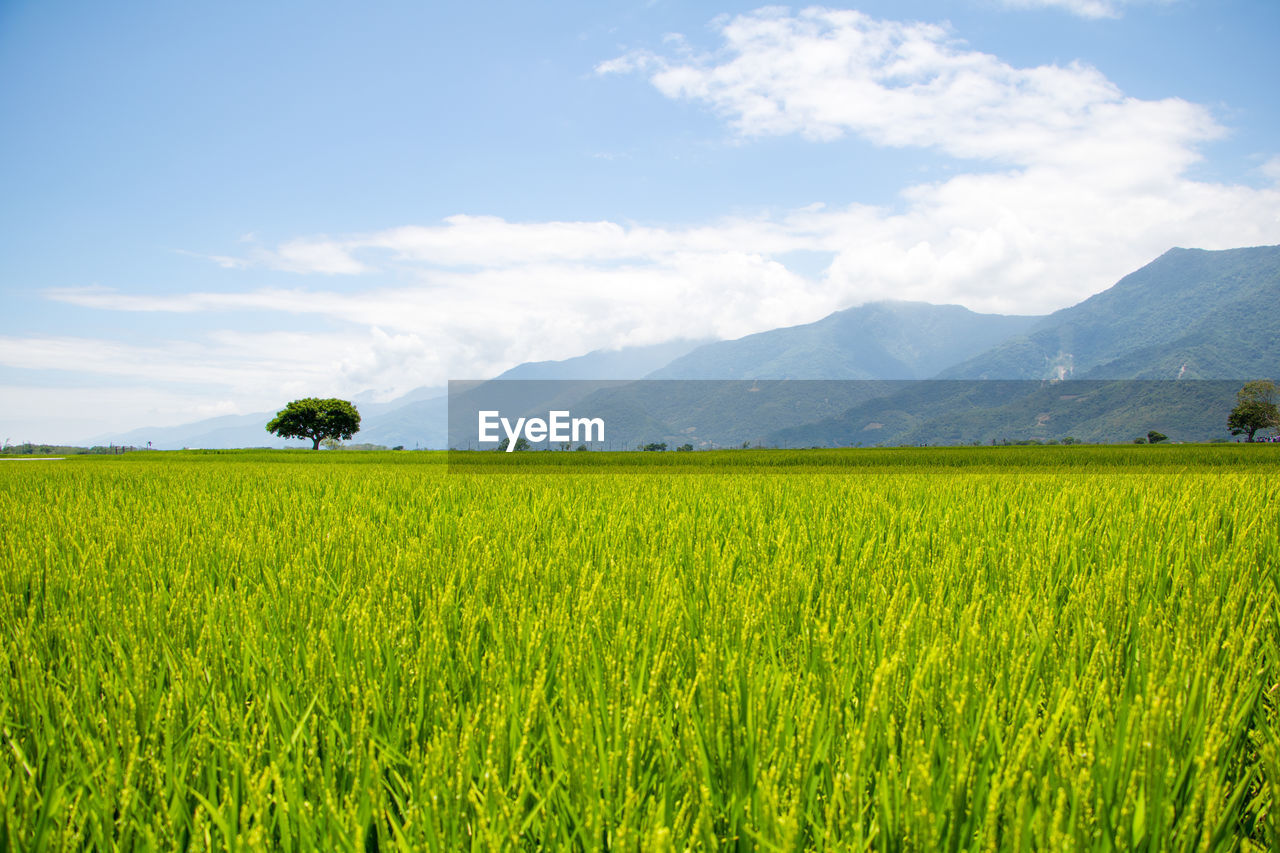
[(693, 415)]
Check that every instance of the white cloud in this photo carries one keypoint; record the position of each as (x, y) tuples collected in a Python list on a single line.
[(561, 301), (1094, 183), (825, 74)]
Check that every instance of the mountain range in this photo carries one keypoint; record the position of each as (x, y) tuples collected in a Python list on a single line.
[(1189, 314)]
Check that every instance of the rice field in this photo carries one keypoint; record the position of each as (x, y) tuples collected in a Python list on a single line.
[(1055, 648)]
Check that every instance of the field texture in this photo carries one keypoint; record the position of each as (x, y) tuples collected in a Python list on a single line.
[(1040, 648)]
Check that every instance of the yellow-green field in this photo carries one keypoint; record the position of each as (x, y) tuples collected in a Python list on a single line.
[(1041, 648)]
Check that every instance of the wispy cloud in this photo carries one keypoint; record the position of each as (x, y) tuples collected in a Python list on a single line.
[(254, 369), (293, 301), (74, 413), (312, 256), (309, 255), (1083, 8)]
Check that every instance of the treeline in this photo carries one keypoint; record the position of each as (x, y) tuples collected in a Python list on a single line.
[(28, 448)]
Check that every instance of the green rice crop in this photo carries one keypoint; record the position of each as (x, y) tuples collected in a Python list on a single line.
[(999, 648)]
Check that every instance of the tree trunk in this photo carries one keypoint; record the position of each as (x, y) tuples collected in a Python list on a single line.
[(315, 444)]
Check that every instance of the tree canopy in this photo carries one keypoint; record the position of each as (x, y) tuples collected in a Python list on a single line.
[(1255, 409), (317, 420)]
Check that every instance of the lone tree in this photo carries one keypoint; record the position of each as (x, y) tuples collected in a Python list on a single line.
[(1255, 409), (317, 420)]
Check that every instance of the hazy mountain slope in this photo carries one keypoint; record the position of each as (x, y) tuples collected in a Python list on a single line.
[(418, 424), (414, 419), (1189, 314), (625, 363), (882, 340), (407, 420), (368, 406), (220, 432)]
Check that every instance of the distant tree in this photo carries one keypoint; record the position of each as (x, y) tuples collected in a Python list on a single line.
[(581, 447), (1255, 409), (1154, 437), (1142, 439), (655, 445), (522, 443), (317, 420), (685, 448)]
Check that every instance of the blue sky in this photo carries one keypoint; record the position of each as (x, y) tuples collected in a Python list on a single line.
[(214, 208)]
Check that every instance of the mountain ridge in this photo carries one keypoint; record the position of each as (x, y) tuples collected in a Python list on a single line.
[(625, 363), (1176, 317), (887, 339)]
